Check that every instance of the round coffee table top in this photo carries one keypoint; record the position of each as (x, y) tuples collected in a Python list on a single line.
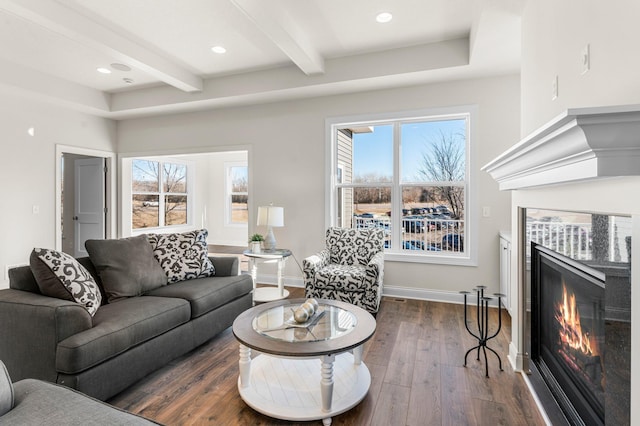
[(336, 327)]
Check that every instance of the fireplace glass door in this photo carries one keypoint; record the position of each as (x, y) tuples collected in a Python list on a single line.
[(570, 332)]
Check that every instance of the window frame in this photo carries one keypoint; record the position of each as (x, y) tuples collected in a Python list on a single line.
[(471, 214), (228, 185), (190, 194)]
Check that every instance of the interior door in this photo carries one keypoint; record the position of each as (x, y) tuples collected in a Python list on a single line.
[(89, 207)]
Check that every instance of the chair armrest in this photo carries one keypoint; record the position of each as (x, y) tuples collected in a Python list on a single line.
[(31, 326), (225, 266), (316, 261), (377, 262), (309, 267)]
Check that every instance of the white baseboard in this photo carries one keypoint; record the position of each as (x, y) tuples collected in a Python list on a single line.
[(432, 295), (393, 291)]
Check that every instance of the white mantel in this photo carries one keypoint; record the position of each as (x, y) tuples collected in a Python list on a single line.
[(580, 144)]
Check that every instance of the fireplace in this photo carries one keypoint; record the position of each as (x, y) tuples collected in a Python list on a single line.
[(578, 321), (573, 184), (568, 333)]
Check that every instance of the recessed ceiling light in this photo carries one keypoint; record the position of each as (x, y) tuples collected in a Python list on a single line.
[(104, 70), (218, 49), (120, 67), (384, 17)]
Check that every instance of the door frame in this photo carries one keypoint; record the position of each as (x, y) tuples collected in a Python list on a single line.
[(110, 185)]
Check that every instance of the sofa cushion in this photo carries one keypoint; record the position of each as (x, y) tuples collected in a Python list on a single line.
[(6, 391), (42, 403), (126, 266), (118, 327), (342, 277), (61, 276), (207, 294), (183, 256)]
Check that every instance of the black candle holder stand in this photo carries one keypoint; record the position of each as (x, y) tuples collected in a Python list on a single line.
[(482, 319)]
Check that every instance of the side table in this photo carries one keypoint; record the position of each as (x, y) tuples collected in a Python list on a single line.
[(268, 294)]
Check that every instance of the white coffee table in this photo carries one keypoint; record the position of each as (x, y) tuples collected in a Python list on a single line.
[(309, 372), (268, 294)]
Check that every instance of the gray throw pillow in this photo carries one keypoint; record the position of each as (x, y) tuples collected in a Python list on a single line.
[(6, 391), (61, 276), (183, 256), (126, 266)]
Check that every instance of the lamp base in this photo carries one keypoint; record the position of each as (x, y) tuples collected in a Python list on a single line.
[(270, 240)]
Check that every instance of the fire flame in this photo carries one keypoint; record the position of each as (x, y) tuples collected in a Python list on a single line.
[(570, 329)]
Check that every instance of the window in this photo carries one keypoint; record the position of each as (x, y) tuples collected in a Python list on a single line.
[(408, 175), (160, 194), (237, 185)]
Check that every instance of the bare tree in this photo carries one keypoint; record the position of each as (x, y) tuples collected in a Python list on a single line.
[(443, 163), (172, 177), (372, 195)]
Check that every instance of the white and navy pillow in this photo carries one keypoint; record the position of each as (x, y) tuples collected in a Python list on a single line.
[(60, 275), (183, 256)]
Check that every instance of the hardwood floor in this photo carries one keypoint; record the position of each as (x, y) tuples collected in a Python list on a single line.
[(416, 362)]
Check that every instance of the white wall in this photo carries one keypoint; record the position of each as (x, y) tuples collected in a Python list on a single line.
[(286, 162), (553, 36), (27, 170)]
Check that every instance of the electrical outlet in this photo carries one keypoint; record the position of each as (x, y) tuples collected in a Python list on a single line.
[(585, 57), (554, 88)]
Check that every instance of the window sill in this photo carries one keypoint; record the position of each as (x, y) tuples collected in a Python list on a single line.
[(458, 260), (163, 230)]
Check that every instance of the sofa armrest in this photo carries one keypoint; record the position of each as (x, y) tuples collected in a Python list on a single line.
[(31, 326), (226, 266)]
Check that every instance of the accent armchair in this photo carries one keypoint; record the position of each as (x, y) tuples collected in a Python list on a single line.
[(349, 269)]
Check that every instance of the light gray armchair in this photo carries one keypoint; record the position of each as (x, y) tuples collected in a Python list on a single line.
[(349, 269)]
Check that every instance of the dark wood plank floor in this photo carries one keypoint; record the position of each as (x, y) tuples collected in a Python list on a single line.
[(416, 363)]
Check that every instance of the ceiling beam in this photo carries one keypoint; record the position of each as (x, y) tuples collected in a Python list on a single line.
[(71, 23), (284, 32), (40, 86)]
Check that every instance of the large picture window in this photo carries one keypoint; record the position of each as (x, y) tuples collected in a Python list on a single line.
[(160, 194), (408, 176)]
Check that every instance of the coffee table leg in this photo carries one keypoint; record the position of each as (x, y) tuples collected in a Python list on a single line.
[(357, 355), (326, 385), (245, 365)]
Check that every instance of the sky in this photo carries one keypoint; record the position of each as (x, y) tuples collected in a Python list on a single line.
[(373, 152)]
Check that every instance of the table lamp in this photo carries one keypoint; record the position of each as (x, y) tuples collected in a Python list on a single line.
[(270, 216)]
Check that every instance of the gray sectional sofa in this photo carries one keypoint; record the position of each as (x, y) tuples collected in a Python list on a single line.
[(58, 340)]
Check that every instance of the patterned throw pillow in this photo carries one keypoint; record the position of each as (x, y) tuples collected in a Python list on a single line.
[(60, 275), (183, 256)]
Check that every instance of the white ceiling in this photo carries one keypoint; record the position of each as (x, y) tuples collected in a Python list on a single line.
[(276, 49)]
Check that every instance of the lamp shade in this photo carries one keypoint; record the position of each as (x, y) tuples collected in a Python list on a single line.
[(270, 216)]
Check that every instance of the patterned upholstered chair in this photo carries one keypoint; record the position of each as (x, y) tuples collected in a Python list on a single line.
[(349, 269)]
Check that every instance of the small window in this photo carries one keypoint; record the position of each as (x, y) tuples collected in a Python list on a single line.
[(237, 193), (160, 195)]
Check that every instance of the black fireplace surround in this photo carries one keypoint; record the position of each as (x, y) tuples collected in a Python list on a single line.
[(580, 343)]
